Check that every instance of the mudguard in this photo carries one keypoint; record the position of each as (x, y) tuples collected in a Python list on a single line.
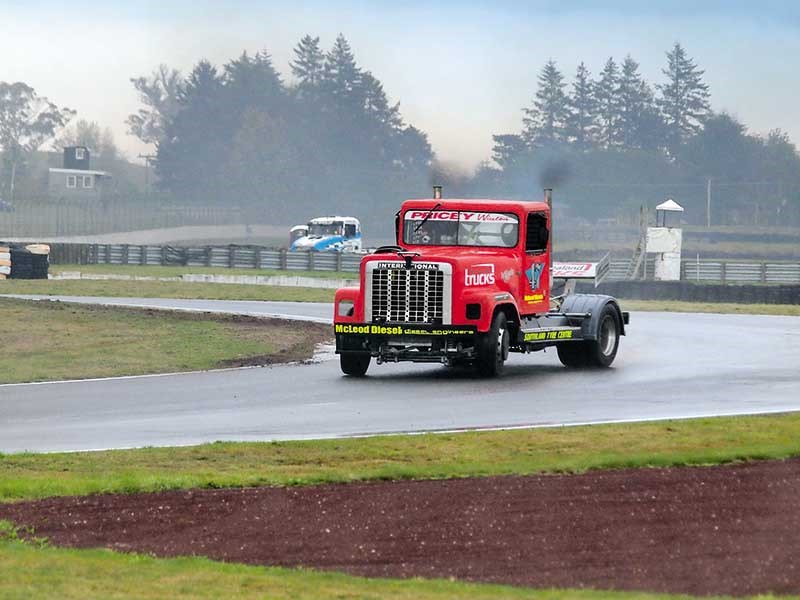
[(594, 304)]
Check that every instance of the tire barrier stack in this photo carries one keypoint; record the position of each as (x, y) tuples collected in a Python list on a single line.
[(31, 261)]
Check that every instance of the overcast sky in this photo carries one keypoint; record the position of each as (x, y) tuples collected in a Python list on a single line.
[(461, 70)]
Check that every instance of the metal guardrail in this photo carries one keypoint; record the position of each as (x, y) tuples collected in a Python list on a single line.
[(236, 257), (259, 257)]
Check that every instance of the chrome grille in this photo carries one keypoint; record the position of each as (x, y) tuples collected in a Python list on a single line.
[(408, 296)]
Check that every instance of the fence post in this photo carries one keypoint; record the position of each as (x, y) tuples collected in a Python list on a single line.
[(163, 255), (338, 262), (282, 264), (209, 252), (310, 260), (231, 256), (124, 258), (108, 253), (763, 272), (142, 255), (257, 258), (723, 271)]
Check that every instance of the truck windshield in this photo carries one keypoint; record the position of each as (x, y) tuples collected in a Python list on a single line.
[(460, 228), (324, 230)]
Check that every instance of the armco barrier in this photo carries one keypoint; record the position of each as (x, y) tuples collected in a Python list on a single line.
[(261, 257), (692, 292)]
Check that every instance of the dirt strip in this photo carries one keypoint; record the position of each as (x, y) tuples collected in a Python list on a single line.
[(722, 530)]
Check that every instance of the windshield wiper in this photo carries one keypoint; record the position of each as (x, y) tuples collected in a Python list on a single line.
[(428, 216)]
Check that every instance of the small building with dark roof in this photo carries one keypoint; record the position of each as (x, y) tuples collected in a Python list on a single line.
[(76, 180)]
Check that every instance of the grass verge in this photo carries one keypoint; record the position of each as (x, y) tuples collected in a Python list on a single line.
[(165, 289), (176, 271), (49, 340), (519, 452), (45, 572), (709, 307)]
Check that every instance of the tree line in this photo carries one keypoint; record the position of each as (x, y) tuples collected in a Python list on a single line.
[(614, 142), (331, 140)]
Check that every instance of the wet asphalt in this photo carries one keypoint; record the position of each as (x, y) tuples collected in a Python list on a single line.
[(670, 365)]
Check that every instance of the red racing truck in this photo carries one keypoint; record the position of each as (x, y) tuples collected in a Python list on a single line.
[(468, 282)]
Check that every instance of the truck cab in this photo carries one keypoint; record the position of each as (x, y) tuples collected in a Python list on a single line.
[(468, 282), (327, 234)]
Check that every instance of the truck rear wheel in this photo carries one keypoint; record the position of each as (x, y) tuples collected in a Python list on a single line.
[(594, 353), (354, 364), (494, 348)]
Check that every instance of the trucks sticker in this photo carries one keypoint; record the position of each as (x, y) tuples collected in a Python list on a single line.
[(476, 275)]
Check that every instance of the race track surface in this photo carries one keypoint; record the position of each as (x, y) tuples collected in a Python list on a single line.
[(670, 365)]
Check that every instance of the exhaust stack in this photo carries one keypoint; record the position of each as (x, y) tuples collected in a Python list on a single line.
[(437, 192), (548, 197)]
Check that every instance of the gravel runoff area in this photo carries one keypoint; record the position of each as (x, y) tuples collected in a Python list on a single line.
[(713, 530)]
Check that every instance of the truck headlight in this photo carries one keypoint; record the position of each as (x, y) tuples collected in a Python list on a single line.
[(345, 308)]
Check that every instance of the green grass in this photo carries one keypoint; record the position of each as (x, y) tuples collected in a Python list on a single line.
[(46, 572), (710, 307), (176, 271), (522, 452), (165, 289), (48, 341)]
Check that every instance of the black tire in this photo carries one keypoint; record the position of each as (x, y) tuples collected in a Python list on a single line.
[(572, 354), (354, 364), (493, 349), (594, 353)]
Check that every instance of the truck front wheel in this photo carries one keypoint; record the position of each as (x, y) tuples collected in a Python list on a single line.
[(354, 364), (494, 348)]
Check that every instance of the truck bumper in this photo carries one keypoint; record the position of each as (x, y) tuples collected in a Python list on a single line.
[(394, 342)]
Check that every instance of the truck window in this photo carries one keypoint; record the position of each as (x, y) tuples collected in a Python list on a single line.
[(537, 235), (460, 228), (349, 230), (321, 230)]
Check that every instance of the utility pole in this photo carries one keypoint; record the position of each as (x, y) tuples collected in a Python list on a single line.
[(708, 204), (147, 158)]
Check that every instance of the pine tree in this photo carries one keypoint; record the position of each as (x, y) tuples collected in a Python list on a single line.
[(253, 82), (376, 104), (196, 138), (545, 122), (684, 98), (608, 104), (342, 80), (507, 150), (639, 125), (307, 66), (582, 119)]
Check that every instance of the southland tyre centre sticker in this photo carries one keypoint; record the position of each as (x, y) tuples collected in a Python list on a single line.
[(392, 330), (539, 336)]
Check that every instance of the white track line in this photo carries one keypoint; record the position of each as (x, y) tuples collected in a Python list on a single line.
[(182, 308), (443, 431)]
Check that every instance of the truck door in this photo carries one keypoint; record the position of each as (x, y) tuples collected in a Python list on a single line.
[(535, 280)]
